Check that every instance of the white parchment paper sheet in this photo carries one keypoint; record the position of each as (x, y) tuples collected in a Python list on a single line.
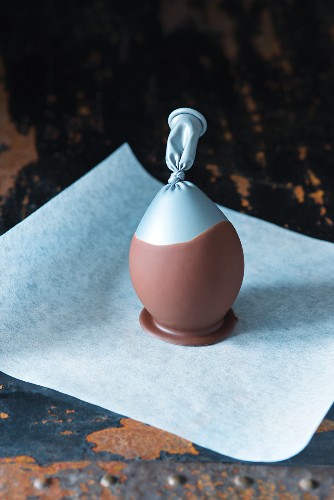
[(69, 321)]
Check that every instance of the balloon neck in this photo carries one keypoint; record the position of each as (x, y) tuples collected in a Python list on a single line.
[(186, 127)]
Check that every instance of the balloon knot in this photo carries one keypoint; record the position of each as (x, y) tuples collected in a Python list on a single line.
[(175, 177)]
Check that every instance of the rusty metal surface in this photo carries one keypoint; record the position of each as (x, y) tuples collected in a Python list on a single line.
[(23, 478), (79, 78), (51, 427)]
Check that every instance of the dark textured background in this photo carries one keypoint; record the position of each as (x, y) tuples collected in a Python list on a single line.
[(91, 75), (78, 78)]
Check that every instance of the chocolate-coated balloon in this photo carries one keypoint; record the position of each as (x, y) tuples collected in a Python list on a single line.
[(186, 259)]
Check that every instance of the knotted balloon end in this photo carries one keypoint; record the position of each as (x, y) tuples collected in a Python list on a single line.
[(176, 177)]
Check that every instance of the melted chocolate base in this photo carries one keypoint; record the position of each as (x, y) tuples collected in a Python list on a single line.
[(186, 338)]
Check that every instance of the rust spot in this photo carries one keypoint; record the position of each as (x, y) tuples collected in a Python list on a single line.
[(250, 104), (25, 203), (114, 469), (4, 415), (302, 153), (137, 440), (74, 137), (323, 211), (315, 181), (299, 193), (20, 148), (84, 110), (225, 27), (52, 414), (214, 170), (268, 45), (261, 158), (69, 411), (245, 204), (25, 469), (258, 129), (66, 433), (53, 421), (242, 183), (318, 196), (17, 460), (326, 426), (228, 136), (266, 41), (329, 221), (245, 89), (256, 118), (286, 66), (243, 188)]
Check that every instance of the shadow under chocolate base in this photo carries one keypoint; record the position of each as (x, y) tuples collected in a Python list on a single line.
[(216, 334)]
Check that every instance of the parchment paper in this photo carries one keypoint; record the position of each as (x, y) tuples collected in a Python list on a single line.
[(69, 321)]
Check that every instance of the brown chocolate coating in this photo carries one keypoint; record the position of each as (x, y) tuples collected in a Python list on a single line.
[(188, 287)]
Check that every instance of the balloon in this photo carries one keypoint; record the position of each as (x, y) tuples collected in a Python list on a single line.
[(186, 260)]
